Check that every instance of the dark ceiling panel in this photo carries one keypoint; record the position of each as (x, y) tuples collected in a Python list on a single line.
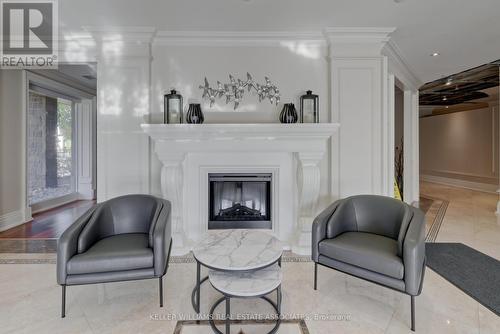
[(462, 87)]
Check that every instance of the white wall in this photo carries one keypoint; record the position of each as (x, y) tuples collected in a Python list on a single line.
[(345, 66), (11, 148), (185, 67), (461, 146)]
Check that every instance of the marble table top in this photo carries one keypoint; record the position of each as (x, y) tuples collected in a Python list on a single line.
[(238, 250), (247, 284)]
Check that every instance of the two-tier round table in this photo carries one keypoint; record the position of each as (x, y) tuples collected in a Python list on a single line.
[(242, 263)]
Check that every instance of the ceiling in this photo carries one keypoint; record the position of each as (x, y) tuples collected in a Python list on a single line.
[(468, 90), (81, 76), (466, 33), (84, 74), (463, 87)]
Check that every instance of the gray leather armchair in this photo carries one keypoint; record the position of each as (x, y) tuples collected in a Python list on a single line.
[(375, 238), (125, 238)]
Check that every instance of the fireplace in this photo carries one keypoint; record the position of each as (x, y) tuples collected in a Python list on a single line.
[(239, 201)]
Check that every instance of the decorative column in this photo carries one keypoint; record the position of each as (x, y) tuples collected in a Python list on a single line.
[(171, 180), (124, 58), (308, 182), (359, 95)]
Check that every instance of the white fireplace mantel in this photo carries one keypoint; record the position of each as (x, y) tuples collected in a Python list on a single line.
[(291, 152)]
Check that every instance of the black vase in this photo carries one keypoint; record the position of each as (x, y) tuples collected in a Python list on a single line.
[(194, 114), (289, 114)]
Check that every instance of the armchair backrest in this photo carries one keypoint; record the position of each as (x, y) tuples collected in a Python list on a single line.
[(120, 215), (372, 214)]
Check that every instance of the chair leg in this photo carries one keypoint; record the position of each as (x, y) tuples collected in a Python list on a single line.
[(63, 302), (315, 276), (160, 280), (413, 313)]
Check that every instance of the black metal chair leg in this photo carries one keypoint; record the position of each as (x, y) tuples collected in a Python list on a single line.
[(161, 291), (228, 315), (413, 313), (63, 304), (315, 276)]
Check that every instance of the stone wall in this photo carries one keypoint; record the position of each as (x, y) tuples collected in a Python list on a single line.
[(36, 142)]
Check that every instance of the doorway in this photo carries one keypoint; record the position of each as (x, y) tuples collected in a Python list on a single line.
[(60, 136)]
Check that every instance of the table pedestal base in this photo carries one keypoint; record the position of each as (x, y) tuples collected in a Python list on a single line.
[(227, 299)]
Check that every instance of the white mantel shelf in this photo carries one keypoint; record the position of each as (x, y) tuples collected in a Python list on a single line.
[(269, 131), (291, 152)]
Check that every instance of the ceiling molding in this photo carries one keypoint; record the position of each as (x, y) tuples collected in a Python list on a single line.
[(238, 38), (400, 67), (358, 34), (119, 33), (357, 41)]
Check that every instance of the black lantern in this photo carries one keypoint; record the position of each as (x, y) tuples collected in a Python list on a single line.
[(172, 108), (309, 108)]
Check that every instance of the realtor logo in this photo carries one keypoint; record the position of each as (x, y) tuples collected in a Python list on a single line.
[(29, 34)]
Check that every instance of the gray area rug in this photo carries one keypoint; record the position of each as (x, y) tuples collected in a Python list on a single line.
[(473, 272)]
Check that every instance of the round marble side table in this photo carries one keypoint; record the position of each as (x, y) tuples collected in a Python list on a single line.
[(255, 284), (234, 251)]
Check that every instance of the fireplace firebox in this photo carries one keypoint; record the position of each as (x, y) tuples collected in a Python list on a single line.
[(239, 201)]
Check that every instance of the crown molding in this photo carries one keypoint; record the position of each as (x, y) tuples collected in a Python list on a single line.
[(357, 41), (400, 67), (358, 34), (119, 33), (238, 38)]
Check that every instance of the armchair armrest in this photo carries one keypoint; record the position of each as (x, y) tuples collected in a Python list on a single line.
[(414, 253), (67, 245), (319, 227), (162, 239)]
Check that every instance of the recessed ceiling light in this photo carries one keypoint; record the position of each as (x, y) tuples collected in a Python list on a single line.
[(448, 82), (435, 54), (445, 98)]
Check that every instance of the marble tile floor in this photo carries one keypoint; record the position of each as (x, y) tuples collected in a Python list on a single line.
[(30, 297), (470, 217)]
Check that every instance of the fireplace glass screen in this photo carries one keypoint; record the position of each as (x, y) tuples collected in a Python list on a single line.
[(239, 201)]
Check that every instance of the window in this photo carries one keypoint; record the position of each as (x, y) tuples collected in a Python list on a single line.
[(50, 152)]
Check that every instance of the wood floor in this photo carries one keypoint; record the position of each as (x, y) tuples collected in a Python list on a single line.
[(49, 224)]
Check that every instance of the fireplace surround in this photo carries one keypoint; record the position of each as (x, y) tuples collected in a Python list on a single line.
[(290, 153), (238, 201)]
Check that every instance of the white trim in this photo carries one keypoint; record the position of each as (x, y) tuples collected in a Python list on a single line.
[(457, 174), (11, 219), (24, 147), (357, 42), (359, 33), (272, 132), (400, 67), (391, 130), (121, 33), (489, 188), (238, 38), (54, 203)]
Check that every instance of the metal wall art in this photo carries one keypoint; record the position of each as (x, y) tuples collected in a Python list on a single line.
[(235, 90)]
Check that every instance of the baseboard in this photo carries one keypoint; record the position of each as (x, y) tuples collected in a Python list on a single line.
[(484, 187), (54, 203), (11, 219), (86, 195)]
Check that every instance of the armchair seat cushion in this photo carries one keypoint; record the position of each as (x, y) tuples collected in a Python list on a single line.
[(116, 253), (366, 250)]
